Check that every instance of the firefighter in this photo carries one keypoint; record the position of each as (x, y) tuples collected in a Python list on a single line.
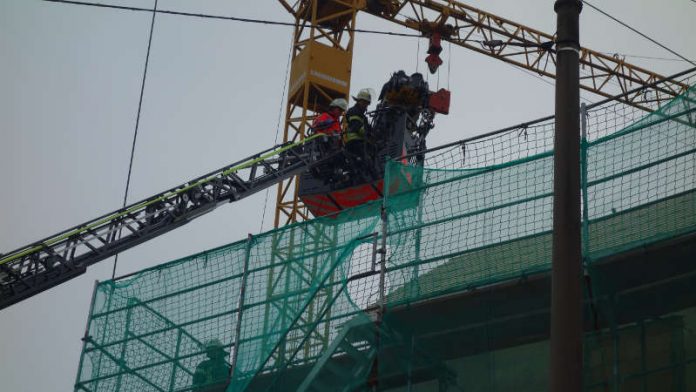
[(357, 133), (212, 375), (329, 122)]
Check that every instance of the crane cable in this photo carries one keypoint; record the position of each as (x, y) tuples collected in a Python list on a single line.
[(137, 125)]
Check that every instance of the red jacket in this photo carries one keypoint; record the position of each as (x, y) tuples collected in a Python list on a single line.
[(328, 124)]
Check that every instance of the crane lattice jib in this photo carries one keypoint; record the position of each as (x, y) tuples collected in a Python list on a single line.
[(53, 260), (525, 47)]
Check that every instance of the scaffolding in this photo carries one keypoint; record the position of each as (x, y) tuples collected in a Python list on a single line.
[(441, 285)]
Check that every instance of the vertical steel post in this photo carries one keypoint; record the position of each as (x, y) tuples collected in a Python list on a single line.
[(383, 264), (124, 346), (412, 342), (383, 246), (382, 297), (566, 283), (175, 359), (643, 357), (616, 354), (375, 251), (584, 188), (414, 286), (240, 306), (85, 337), (105, 325)]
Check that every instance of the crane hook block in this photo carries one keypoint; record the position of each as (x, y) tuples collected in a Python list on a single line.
[(434, 49)]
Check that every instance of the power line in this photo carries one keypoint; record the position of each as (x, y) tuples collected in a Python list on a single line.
[(639, 33), (637, 56), (543, 79), (485, 43), (137, 123), (280, 113), (222, 17)]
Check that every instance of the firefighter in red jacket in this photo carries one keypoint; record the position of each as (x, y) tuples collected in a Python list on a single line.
[(329, 122)]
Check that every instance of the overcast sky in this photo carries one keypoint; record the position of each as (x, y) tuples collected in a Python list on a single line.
[(69, 84)]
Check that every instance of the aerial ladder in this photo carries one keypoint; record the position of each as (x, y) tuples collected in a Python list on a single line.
[(46, 263), (321, 66), (400, 126)]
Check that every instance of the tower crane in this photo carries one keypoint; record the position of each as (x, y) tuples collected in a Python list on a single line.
[(323, 52), (321, 64)]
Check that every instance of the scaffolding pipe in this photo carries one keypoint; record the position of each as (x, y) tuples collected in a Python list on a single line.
[(383, 263), (584, 184), (240, 307)]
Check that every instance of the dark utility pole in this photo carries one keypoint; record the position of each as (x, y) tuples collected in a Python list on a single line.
[(566, 284)]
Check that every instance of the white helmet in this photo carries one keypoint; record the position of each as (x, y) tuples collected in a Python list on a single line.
[(339, 103), (364, 95)]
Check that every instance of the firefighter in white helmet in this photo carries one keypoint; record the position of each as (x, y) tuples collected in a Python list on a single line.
[(357, 134)]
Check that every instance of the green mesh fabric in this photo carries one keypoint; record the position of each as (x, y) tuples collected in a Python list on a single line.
[(148, 331), (299, 307)]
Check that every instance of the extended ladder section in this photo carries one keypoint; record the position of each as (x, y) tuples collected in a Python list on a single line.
[(58, 258)]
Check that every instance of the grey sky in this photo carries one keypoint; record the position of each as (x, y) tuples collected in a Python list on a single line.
[(69, 84)]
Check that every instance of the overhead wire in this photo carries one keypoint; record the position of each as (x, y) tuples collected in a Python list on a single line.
[(637, 56), (484, 43), (275, 140), (368, 31), (137, 124), (638, 32), (223, 17), (543, 80)]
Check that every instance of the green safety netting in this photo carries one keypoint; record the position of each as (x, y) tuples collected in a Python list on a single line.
[(459, 260)]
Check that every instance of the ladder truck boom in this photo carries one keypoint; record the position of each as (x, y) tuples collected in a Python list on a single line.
[(329, 172), (44, 264)]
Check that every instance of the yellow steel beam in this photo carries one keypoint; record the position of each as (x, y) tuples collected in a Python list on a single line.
[(525, 47)]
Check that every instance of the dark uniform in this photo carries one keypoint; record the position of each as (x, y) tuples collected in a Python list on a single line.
[(212, 375), (357, 139)]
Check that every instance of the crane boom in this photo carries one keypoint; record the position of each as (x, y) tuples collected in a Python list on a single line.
[(522, 46), (44, 264)]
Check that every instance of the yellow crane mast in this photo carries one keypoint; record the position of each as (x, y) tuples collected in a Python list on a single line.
[(322, 55)]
